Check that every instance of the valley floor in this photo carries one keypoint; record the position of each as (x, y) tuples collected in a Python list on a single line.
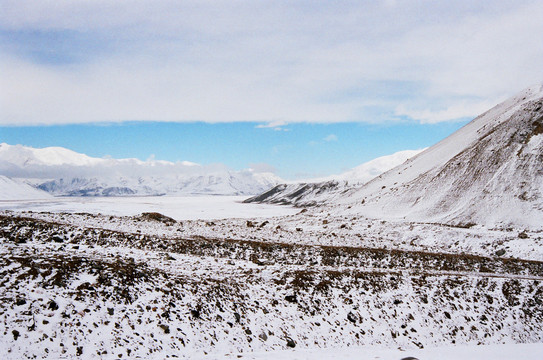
[(178, 207)]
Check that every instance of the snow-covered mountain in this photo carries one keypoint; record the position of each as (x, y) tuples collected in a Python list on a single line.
[(363, 173), (489, 172), (216, 182), (63, 172), (11, 189), (315, 191)]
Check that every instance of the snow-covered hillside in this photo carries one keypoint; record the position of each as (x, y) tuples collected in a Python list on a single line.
[(365, 172), (489, 172), (150, 287), (15, 190), (315, 191), (60, 171)]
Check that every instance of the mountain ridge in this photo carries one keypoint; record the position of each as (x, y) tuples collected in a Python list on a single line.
[(63, 172), (488, 172)]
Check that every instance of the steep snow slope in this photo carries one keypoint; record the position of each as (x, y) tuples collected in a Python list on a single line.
[(14, 190), (489, 172), (368, 170), (64, 172)]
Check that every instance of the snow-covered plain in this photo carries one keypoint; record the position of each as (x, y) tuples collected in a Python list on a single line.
[(177, 207)]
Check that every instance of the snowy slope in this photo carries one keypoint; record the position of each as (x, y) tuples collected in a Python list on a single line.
[(24, 156), (74, 289), (315, 191), (64, 172), (14, 190), (489, 172), (365, 172), (448, 148)]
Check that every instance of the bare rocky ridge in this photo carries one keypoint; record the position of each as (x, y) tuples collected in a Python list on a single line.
[(302, 195)]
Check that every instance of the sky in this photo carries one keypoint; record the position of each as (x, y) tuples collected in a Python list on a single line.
[(307, 88)]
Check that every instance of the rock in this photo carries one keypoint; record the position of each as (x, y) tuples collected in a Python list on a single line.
[(237, 316), (500, 252), (110, 311), (263, 336), (291, 343), (154, 216), (195, 313), (250, 224), (254, 258), (16, 334), (352, 317), (291, 298), (20, 302), (79, 351), (165, 328), (523, 235), (52, 305)]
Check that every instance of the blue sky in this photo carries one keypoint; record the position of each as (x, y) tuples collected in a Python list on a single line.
[(221, 81), (299, 151)]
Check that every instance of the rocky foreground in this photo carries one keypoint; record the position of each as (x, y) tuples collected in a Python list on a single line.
[(69, 288)]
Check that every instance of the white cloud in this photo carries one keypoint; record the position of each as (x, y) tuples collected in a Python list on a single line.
[(459, 110), (262, 168), (20, 161), (275, 125), (330, 137), (253, 61)]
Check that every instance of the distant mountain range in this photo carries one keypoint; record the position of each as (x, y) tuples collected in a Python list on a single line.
[(63, 172), (489, 172)]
